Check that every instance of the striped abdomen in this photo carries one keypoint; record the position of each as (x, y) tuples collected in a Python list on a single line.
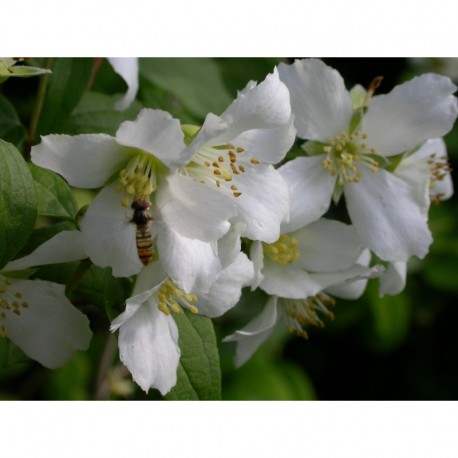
[(144, 244)]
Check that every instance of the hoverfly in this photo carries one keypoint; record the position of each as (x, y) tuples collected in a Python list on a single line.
[(141, 218)]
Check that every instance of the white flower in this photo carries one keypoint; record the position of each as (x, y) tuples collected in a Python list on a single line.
[(298, 271), (35, 314), (144, 155), (234, 154), (148, 335), (427, 171), (127, 68), (351, 148)]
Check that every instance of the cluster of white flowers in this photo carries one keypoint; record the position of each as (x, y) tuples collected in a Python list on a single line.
[(176, 200)]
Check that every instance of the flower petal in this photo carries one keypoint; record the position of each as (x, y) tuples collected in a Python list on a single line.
[(192, 264), (193, 209), (327, 246), (50, 329), (393, 281), (85, 161), (262, 106), (387, 217), (420, 171), (257, 257), (355, 289), (320, 101), (268, 145), (156, 132), (264, 202), (109, 236), (411, 113), (66, 246), (310, 188), (254, 333), (227, 289), (127, 68), (288, 281), (230, 244), (148, 346)]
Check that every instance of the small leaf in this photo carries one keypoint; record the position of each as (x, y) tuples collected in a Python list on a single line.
[(11, 128), (196, 83), (18, 208), (96, 114), (199, 374), (54, 197), (66, 86), (10, 354)]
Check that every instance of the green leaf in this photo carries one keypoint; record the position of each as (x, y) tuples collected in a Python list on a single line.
[(18, 208), (11, 128), (67, 84), (54, 197), (196, 83), (266, 378), (199, 374), (96, 114), (391, 319)]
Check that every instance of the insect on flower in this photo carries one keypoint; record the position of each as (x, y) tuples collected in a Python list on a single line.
[(142, 218)]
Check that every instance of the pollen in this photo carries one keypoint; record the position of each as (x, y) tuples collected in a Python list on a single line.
[(301, 313), (139, 178), (284, 251), (345, 154), (11, 302), (219, 165), (172, 299)]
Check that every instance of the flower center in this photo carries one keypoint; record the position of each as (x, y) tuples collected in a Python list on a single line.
[(284, 251), (343, 155), (304, 312), (217, 165), (139, 179), (10, 302), (171, 298), (440, 168)]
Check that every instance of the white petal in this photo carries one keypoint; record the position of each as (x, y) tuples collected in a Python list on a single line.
[(348, 276), (257, 256), (268, 145), (255, 333), (85, 161), (387, 217), (156, 132), (288, 281), (327, 246), (147, 284), (310, 187), (393, 281), (320, 102), (212, 133), (109, 236), (416, 170), (148, 346), (411, 113), (264, 202), (192, 264), (229, 245), (194, 210), (355, 289), (66, 246), (265, 106), (227, 289), (50, 329), (127, 68)]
